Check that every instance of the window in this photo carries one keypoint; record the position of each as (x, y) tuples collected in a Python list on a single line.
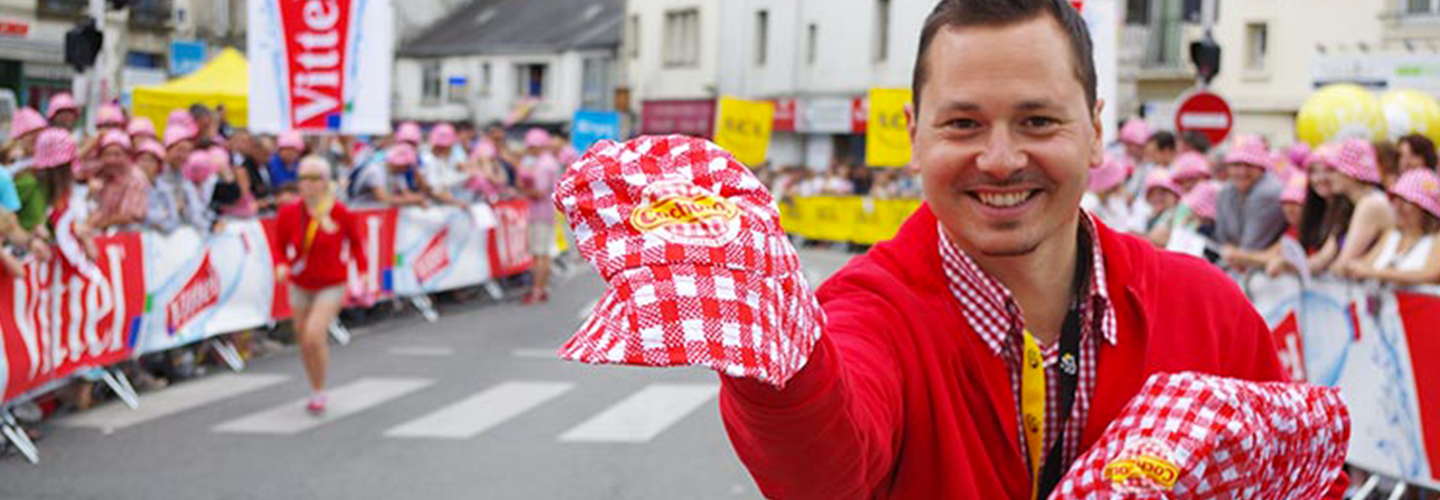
[(456, 88), (530, 80), (634, 37), (682, 38), (1137, 12), (811, 33), (146, 60), (762, 36), (1256, 46), (596, 89), (882, 30), (1422, 7), (485, 79), (430, 82)]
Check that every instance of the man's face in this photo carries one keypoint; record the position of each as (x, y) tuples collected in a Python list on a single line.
[(1409, 159), (1003, 139), (1154, 154), (65, 119), (114, 156), (289, 155), (1244, 176), (179, 152), (148, 164)]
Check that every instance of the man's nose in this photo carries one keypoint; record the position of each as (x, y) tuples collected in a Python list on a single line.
[(1001, 157)]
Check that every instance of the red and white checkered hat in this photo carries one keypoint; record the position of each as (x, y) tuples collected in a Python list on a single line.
[(54, 147), (1190, 165), (698, 267), (61, 102), (1354, 158), (141, 127), (25, 121), (1419, 186), (1204, 437)]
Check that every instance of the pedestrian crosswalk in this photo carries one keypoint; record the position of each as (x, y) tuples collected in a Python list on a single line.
[(642, 416)]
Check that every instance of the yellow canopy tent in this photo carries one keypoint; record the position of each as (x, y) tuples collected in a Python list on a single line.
[(224, 80)]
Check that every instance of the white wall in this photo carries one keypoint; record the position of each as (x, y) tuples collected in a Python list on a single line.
[(649, 78), (563, 87)]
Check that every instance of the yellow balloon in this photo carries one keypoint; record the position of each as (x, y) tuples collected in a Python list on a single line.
[(1340, 111), (1409, 111)]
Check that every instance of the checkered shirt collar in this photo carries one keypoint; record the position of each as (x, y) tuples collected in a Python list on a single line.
[(992, 311)]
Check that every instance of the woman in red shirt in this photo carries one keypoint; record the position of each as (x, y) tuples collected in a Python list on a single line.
[(313, 234)]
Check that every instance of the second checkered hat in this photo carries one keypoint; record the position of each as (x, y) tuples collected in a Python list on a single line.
[(698, 267), (1204, 437)]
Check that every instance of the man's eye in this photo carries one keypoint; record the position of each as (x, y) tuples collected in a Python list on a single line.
[(962, 124), (1040, 122)]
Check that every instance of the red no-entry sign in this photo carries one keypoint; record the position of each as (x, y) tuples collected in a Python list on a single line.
[(1204, 112)]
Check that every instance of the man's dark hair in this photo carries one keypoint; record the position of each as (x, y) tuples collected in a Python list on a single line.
[(198, 110), (1197, 140), (1163, 140), (1422, 146), (968, 13)]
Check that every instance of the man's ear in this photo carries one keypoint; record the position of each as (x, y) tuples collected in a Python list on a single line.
[(1097, 144), (910, 119)]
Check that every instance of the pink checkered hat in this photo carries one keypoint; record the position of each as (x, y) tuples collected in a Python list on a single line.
[(1160, 179), (1295, 190), (698, 267), (200, 166), (1419, 186), (152, 148), (290, 139), (1299, 154), (25, 121), (443, 135), (1202, 437), (110, 115), (408, 132), (141, 127), (180, 117), (61, 102), (54, 147), (485, 149), (1250, 151), (115, 138), (537, 138), (179, 132), (1202, 199), (401, 154), (1354, 158), (1135, 131), (1111, 172), (1190, 165)]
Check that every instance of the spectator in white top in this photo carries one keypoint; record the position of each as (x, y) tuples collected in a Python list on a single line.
[(441, 166), (1353, 174), (1407, 255), (1107, 198)]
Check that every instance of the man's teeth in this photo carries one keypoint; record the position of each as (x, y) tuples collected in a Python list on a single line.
[(1004, 200)]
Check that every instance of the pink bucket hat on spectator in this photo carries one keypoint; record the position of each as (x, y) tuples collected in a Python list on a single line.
[(180, 117), (200, 166), (115, 138), (54, 147), (699, 271), (1160, 179), (485, 149), (1190, 165), (1295, 190), (1202, 199), (61, 102), (179, 132), (401, 155), (141, 127), (1111, 172), (110, 115), (1203, 437), (1419, 186), (25, 121), (537, 138), (443, 135), (1135, 132), (1355, 158), (408, 132), (1249, 151), (1299, 154), (151, 148), (291, 139)]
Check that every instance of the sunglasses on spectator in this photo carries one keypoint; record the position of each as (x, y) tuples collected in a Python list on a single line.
[(312, 177)]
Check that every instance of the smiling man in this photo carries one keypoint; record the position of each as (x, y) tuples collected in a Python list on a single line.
[(978, 353)]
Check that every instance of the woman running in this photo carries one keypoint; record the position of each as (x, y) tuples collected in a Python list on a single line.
[(314, 234)]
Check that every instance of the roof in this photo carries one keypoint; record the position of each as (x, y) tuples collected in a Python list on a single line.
[(521, 26)]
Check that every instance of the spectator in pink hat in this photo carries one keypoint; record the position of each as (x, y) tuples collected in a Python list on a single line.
[(539, 171), (62, 111), (1106, 198), (180, 145), (1163, 196), (395, 182), (1133, 135), (505, 157), (1407, 254), (284, 164), (162, 207), (123, 190), (1248, 219), (1190, 169), (1353, 174), (109, 117), (141, 128), (441, 164), (486, 180), (1160, 149), (25, 125), (48, 182), (408, 132)]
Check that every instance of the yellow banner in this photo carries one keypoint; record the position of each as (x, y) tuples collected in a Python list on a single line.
[(743, 129), (887, 140), (853, 219)]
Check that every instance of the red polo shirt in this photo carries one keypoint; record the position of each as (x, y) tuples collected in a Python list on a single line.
[(903, 400)]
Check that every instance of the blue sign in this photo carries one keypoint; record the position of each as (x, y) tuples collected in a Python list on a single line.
[(186, 56), (590, 127)]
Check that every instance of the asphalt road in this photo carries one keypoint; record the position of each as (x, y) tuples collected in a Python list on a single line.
[(473, 406)]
